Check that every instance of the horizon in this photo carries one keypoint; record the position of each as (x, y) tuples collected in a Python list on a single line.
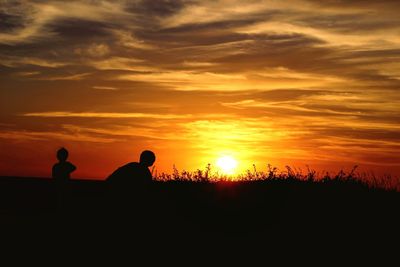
[(231, 84)]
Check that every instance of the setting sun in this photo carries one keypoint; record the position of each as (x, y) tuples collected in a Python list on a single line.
[(227, 164)]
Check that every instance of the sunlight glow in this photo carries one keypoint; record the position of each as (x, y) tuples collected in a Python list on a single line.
[(227, 164)]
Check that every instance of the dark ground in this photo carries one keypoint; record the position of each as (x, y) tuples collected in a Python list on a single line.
[(199, 217)]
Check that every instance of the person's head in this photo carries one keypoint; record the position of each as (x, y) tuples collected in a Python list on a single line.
[(62, 154), (147, 158)]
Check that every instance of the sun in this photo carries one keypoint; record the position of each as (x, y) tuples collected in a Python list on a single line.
[(227, 164)]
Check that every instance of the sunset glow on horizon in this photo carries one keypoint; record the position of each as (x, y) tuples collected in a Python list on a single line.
[(230, 83)]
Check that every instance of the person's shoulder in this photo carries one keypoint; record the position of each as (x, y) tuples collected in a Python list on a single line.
[(137, 169), (56, 165), (69, 163), (132, 165), (71, 166), (125, 168)]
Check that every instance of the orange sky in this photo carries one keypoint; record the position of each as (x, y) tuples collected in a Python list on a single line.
[(298, 83)]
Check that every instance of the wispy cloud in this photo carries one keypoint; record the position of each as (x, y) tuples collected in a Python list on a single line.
[(15, 61), (26, 136), (93, 50), (377, 40), (38, 16), (105, 115), (68, 77), (104, 88), (191, 80), (127, 39), (120, 63)]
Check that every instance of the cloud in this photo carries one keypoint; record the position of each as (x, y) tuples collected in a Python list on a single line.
[(213, 11), (37, 17), (105, 88), (28, 73), (73, 77), (159, 131), (104, 115), (121, 63), (198, 64), (190, 80), (15, 61), (26, 136), (94, 50), (127, 39)]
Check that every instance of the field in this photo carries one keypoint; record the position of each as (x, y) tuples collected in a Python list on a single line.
[(294, 196), (188, 210)]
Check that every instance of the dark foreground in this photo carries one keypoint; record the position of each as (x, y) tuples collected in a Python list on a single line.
[(181, 215)]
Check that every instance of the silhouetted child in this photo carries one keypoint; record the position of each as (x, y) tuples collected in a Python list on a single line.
[(62, 170), (134, 172)]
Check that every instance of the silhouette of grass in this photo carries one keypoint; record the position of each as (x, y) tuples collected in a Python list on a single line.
[(206, 204), (365, 179)]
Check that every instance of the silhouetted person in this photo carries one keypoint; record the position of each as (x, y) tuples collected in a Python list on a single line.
[(62, 170), (134, 172), (131, 190)]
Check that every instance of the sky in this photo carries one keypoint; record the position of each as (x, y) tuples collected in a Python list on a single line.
[(301, 83)]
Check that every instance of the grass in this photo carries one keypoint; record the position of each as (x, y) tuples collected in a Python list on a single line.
[(207, 175), (275, 206), (206, 201), (184, 207)]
